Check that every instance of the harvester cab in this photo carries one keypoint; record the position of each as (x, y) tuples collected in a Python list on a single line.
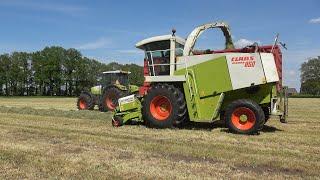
[(241, 86), (111, 86), (160, 53)]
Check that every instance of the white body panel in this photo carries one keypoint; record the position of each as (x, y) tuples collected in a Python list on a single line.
[(160, 38), (269, 67), (245, 70), (126, 99), (188, 61)]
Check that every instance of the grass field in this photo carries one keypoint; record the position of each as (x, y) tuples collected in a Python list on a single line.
[(45, 138), (39, 102)]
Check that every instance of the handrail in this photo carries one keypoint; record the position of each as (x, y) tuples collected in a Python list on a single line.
[(150, 57), (194, 81), (154, 72)]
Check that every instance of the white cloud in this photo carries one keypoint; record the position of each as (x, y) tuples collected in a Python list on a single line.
[(298, 56), (98, 44), (43, 6), (315, 20), (241, 43), (292, 60), (291, 78), (292, 73)]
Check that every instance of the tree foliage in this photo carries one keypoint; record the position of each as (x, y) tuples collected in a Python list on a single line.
[(55, 71), (310, 77)]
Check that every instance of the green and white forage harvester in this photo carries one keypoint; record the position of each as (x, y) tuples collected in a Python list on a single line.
[(242, 87)]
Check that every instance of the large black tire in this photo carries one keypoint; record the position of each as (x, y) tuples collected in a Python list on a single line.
[(244, 116), (110, 98), (223, 118), (164, 106), (85, 102)]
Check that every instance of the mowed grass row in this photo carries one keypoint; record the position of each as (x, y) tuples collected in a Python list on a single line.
[(40, 102), (35, 143)]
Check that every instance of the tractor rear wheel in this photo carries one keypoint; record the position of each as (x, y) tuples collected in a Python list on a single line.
[(244, 116), (85, 102), (164, 106), (110, 99)]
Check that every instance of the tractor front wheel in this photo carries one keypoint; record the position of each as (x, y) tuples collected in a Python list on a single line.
[(164, 106), (244, 116), (85, 102), (110, 99)]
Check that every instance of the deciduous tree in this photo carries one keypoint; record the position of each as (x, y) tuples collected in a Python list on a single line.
[(310, 76)]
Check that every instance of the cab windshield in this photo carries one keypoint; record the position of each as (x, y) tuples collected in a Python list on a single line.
[(114, 78), (157, 55)]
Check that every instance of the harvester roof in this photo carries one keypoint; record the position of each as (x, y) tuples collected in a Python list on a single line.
[(141, 44)]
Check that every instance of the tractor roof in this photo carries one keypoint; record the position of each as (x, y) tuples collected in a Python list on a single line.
[(116, 72), (141, 44)]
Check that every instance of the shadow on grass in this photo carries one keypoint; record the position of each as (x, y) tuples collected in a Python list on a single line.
[(189, 125), (221, 124), (268, 129), (207, 126)]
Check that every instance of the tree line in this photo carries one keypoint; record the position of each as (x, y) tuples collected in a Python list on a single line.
[(310, 77), (55, 71)]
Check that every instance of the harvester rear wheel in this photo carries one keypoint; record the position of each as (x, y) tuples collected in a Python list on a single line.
[(244, 116), (85, 102), (110, 99), (164, 106)]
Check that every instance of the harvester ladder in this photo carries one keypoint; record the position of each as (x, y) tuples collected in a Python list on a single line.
[(193, 90)]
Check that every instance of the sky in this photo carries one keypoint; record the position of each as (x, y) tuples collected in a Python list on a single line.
[(108, 30)]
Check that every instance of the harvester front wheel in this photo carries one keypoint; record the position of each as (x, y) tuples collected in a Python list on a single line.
[(85, 102), (117, 121), (164, 106), (244, 116), (110, 99)]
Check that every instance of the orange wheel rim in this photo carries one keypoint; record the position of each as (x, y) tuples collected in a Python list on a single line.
[(110, 102), (243, 118), (160, 108), (82, 104)]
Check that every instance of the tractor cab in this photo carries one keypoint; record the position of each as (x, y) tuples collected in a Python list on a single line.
[(160, 53), (117, 77)]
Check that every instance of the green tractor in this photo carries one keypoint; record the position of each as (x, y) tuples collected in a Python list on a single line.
[(112, 86), (241, 87)]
